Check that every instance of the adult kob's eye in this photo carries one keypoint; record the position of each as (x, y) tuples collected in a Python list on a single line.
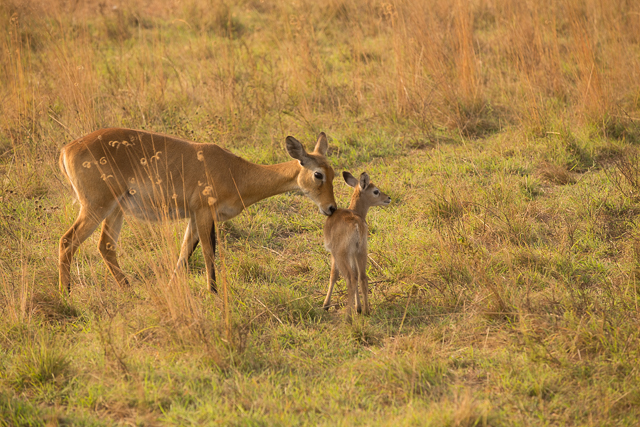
[(318, 175)]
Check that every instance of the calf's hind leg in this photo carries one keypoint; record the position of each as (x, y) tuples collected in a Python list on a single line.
[(363, 281), (333, 278)]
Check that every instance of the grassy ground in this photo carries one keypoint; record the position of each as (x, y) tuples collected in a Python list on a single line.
[(503, 276)]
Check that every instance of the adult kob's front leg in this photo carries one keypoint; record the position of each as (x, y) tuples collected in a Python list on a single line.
[(206, 234), (189, 244)]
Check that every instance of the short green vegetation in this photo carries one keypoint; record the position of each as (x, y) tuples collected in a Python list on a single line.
[(503, 275)]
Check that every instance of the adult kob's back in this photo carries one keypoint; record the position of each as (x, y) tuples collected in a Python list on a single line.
[(157, 177)]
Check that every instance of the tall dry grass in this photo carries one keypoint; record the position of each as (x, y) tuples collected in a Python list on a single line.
[(502, 260), (238, 74), (474, 66)]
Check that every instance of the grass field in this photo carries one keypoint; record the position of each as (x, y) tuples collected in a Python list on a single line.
[(504, 275)]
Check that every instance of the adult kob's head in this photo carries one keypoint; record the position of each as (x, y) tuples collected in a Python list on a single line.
[(315, 179)]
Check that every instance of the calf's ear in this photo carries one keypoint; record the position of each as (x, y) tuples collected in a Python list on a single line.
[(364, 180)]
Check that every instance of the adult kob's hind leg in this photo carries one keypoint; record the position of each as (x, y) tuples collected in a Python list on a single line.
[(81, 229), (111, 227)]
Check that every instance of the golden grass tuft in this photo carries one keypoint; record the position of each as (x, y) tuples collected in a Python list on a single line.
[(503, 276)]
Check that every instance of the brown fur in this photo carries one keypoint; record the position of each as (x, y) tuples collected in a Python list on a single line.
[(345, 236), (157, 177)]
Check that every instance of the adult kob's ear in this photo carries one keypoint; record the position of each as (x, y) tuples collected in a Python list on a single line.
[(321, 145), (349, 179), (364, 180), (296, 150)]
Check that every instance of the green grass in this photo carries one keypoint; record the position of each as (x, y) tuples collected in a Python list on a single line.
[(503, 275)]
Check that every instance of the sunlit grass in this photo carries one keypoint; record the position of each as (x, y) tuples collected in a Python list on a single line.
[(503, 275)]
